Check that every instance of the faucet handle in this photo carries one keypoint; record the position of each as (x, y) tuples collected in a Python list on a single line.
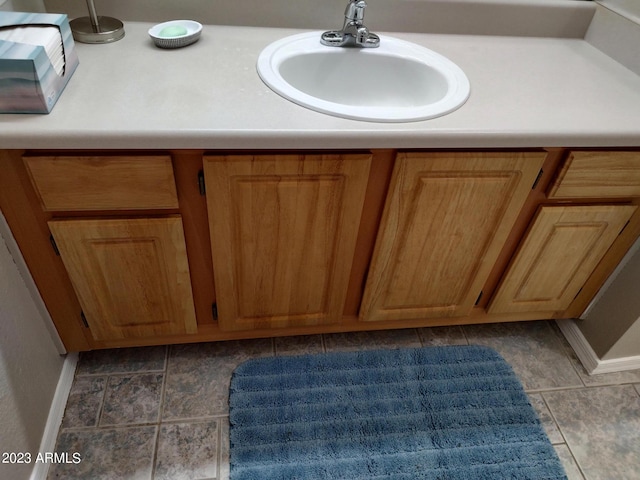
[(355, 11)]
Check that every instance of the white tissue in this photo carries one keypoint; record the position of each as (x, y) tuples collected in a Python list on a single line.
[(48, 37)]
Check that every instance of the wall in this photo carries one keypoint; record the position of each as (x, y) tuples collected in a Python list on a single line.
[(561, 18), (612, 324), (615, 30), (30, 363), (627, 8)]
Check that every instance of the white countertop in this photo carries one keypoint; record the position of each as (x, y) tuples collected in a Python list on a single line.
[(525, 92)]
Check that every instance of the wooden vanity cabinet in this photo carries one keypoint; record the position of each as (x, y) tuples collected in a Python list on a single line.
[(314, 242)]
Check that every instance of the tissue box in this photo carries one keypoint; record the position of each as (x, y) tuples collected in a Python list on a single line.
[(28, 80)]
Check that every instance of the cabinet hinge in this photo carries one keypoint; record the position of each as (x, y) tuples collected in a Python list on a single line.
[(625, 227), (535, 183), (201, 184), (479, 297), (84, 320), (53, 244), (214, 310)]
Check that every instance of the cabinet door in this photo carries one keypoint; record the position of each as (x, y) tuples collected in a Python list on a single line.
[(445, 222), (131, 275), (561, 249), (283, 234)]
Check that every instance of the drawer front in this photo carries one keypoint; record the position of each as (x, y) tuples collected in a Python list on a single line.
[(591, 174), (103, 182)]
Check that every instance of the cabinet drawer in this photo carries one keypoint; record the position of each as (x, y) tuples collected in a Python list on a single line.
[(103, 182), (598, 175)]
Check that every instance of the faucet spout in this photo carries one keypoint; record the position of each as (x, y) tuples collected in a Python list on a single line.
[(353, 33)]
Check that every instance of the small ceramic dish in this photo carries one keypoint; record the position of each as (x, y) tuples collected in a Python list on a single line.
[(175, 34)]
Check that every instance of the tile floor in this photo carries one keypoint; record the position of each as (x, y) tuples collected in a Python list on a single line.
[(161, 412)]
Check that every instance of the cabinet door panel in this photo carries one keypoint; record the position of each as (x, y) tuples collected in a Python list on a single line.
[(131, 275), (562, 248), (283, 233), (446, 219)]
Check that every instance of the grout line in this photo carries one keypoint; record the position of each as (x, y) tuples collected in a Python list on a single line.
[(163, 389), (219, 452), (200, 419), (112, 426), (154, 454), (581, 387), (553, 417), (566, 442), (109, 427), (102, 401), (193, 419), (464, 334), (564, 347), (120, 373), (555, 389), (166, 357)]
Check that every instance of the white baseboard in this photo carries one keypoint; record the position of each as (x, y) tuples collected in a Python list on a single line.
[(56, 413), (592, 364)]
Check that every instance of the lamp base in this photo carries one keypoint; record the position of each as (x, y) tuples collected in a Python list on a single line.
[(109, 30)]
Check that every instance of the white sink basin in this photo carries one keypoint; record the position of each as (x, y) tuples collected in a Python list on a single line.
[(396, 82)]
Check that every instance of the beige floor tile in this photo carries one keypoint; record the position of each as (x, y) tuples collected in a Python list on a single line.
[(187, 451), (436, 336), (198, 376), (549, 424), (106, 454), (300, 345), (405, 338), (602, 428), (533, 351), (568, 462), (132, 399), (122, 360), (84, 402)]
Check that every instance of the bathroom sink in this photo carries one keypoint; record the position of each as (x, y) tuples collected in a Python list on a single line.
[(396, 82)]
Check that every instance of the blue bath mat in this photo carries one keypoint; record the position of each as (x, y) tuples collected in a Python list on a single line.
[(455, 413)]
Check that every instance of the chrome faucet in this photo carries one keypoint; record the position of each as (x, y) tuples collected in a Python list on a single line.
[(353, 33)]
